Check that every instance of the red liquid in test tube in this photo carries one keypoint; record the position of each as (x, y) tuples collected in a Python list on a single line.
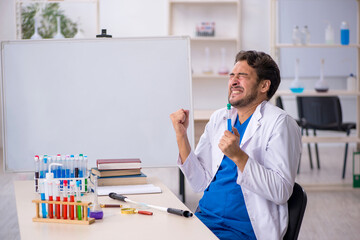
[(57, 194), (72, 185), (65, 199), (50, 206)]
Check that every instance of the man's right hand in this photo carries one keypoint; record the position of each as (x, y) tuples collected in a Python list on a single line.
[(180, 121)]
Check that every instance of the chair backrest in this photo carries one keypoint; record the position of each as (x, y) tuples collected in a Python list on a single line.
[(320, 112), (296, 206), (279, 103)]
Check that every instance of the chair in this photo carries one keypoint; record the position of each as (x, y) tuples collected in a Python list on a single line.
[(323, 113), (279, 103), (296, 206)]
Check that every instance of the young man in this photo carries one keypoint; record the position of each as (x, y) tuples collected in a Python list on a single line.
[(248, 174)]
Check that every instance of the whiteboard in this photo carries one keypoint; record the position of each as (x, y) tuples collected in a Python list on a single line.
[(104, 98)]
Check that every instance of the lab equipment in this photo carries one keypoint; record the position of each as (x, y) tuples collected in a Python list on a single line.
[(37, 172), (296, 36), (207, 69), (296, 85), (351, 82), (65, 199), (329, 34), (96, 211), (57, 195), (305, 35), (72, 193), (79, 214), (229, 126), (42, 196), (164, 209), (224, 70), (344, 33), (321, 85)]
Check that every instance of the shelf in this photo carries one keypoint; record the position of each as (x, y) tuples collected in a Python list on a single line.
[(215, 39), (204, 1), (316, 45), (313, 92), (202, 115), (56, 1), (330, 139), (210, 76)]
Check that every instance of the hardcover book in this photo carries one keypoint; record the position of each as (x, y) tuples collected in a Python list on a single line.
[(107, 164), (120, 180), (116, 172)]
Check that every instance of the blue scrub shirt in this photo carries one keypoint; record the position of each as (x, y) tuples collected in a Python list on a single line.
[(222, 207)]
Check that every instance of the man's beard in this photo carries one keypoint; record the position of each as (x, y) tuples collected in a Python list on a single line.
[(247, 100)]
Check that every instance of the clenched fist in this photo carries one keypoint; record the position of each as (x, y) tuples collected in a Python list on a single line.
[(180, 121)]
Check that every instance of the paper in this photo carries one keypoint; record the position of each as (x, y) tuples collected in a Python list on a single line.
[(128, 189)]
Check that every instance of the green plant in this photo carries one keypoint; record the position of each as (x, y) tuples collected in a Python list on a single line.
[(48, 25)]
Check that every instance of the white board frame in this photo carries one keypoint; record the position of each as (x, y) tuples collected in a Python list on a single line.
[(65, 96)]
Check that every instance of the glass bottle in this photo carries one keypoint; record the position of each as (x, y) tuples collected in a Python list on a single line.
[(321, 85), (36, 34), (329, 34), (296, 85), (344, 33), (296, 36), (305, 35)]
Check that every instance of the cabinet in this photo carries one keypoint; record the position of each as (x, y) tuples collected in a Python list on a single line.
[(85, 13), (209, 89), (277, 47)]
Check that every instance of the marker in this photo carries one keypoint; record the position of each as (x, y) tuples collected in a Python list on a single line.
[(164, 209), (228, 117)]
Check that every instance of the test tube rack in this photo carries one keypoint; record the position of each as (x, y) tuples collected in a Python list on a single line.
[(84, 183), (84, 205)]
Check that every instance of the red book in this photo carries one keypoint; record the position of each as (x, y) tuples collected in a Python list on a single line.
[(126, 163)]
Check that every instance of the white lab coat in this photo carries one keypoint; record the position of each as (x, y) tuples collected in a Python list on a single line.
[(272, 141)]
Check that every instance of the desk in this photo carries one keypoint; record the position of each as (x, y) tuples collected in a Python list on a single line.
[(114, 225)]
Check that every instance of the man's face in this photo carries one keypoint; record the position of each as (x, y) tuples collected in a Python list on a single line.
[(243, 85)]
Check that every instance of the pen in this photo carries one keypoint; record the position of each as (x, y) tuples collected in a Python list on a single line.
[(110, 205), (228, 117)]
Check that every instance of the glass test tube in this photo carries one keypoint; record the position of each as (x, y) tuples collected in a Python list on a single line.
[(65, 199), (42, 195), (50, 193), (57, 194), (79, 214), (37, 172), (72, 192)]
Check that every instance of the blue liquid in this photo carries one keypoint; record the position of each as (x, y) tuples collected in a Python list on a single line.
[(345, 36), (67, 173), (229, 125), (58, 172), (297, 90), (43, 205), (63, 173)]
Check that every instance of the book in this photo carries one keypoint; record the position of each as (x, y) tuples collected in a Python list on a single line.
[(119, 180), (128, 189), (106, 164), (115, 172)]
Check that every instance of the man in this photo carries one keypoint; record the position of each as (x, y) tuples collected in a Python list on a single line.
[(247, 175)]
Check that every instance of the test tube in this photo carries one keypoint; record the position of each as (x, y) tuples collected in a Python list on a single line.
[(58, 168), (65, 199), (76, 165), (51, 160), (79, 214), (72, 173), (85, 171), (67, 166), (72, 192), (80, 165), (63, 167), (50, 193), (41, 167), (37, 172), (42, 195), (57, 194)]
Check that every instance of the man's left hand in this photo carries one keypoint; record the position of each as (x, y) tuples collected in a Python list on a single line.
[(230, 145)]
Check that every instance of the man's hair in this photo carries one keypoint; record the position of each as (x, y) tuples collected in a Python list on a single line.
[(265, 67)]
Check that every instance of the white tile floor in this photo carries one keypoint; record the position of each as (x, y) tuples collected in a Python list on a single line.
[(333, 210)]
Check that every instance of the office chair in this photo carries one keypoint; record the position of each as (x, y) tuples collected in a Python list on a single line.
[(323, 113), (296, 206), (279, 103)]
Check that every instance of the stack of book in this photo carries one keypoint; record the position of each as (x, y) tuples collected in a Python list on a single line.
[(112, 172)]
